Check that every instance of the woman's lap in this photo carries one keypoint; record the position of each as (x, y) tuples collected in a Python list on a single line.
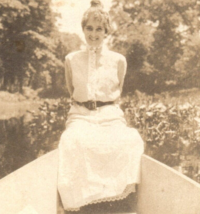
[(108, 155)]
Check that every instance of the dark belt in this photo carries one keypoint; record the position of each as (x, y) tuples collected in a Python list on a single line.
[(93, 105)]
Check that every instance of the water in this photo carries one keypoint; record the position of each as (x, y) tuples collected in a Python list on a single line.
[(20, 144)]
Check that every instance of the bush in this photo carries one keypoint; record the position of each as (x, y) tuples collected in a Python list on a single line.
[(48, 124), (171, 130)]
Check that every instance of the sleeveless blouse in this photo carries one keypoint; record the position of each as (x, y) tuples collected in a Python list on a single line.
[(97, 75)]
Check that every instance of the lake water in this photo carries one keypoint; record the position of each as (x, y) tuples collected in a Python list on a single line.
[(19, 143)]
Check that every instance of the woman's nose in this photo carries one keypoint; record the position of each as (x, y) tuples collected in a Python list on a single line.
[(93, 33)]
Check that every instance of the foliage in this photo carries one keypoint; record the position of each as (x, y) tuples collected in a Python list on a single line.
[(51, 117), (152, 34), (30, 46), (171, 130), (26, 47), (50, 120), (188, 65)]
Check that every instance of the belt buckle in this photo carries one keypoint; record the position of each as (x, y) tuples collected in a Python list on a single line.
[(92, 105)]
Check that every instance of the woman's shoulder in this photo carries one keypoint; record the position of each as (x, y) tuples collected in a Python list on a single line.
[(74, 55)]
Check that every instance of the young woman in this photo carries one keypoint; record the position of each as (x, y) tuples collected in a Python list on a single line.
[(99, 156)]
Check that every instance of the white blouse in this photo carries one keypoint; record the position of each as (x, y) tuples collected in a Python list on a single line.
[(95, 74)]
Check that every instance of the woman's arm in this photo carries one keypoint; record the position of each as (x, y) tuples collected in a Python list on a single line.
[(122, 66), (68, 76)]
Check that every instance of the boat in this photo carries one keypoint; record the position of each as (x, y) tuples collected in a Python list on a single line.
[(32, 189)]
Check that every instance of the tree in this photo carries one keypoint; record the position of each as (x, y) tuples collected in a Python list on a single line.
[(188, 66), (167, 47), (26, 46), (150, 31)]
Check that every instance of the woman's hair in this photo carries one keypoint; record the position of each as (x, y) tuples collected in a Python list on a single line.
[(96, 9)]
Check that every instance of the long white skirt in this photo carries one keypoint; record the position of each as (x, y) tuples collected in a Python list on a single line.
[(99, 157)]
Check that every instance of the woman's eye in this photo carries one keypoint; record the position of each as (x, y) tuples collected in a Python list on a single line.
[(89, 28), (99, 29)]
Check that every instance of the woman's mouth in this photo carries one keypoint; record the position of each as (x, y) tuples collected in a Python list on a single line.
[(93, 39)]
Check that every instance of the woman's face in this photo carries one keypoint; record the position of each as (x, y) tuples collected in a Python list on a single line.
[(94, 32)]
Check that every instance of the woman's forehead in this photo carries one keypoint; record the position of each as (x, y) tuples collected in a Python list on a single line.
[(94, 20)]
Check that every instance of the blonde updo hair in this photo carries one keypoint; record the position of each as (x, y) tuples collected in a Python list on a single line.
[(96, 9)]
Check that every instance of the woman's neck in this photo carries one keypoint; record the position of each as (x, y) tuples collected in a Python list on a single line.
[(95, 48)]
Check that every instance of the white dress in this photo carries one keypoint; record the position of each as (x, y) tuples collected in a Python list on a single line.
[(99, 156)]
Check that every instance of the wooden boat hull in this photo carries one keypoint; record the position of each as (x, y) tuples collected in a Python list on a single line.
[(33, 189), (163, 190)]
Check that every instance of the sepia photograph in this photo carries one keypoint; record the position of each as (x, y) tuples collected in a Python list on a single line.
[(99, 106)]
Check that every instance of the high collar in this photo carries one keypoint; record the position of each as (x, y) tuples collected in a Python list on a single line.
[(99, 50)]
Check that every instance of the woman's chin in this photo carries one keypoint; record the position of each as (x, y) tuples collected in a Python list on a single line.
[(94, 44)]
